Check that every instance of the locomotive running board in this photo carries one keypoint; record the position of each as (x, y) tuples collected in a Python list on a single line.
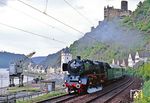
[(94, 89)]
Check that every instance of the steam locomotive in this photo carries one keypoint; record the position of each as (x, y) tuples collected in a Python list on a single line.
[(86, 76)]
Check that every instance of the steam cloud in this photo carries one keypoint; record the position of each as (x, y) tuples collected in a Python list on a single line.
[(111, 32)]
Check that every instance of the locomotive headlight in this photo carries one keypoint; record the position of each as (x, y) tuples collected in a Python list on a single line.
[(77, 85)]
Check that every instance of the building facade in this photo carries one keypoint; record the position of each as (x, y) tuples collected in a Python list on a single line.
[(66, 56)]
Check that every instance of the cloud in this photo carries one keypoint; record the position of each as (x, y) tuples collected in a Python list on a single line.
[(3, 2)]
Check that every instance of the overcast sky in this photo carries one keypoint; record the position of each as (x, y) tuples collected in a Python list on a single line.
[(18, 15)]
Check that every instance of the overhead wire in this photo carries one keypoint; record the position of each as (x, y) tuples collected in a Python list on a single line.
[(51, 17), (35, 18), (87, 19), (35, 34), (57, 20)]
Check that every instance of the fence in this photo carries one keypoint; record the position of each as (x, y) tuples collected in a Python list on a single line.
[(12, 98)]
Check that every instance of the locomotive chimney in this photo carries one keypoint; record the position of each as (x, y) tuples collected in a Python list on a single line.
[(79, 57)]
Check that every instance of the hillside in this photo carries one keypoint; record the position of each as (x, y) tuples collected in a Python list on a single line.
[(140, 18), (6, 58), (52, 60), (115, 41), (38, 60)]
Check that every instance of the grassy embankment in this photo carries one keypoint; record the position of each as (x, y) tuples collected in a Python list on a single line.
[(40, 98), (22, 89)]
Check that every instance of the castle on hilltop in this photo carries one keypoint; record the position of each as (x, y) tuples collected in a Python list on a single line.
[(111, 12)]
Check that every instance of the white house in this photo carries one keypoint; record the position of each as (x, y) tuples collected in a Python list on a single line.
[(137, 57), (123, 64), (113, 62), (133, 60), (130, 61), (118, 63)]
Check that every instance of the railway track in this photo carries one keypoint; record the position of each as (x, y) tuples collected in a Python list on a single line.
[(109, 92), (58, 99), (104, 96), (109, 95)]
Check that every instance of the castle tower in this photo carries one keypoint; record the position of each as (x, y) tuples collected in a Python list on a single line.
[(124, 5), (130, 61), (137, 57), (66, 56)]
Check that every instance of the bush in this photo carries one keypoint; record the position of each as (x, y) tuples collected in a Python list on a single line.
[(140, 17), (146, 88), (145, 98), (126, 19), (143, 71)]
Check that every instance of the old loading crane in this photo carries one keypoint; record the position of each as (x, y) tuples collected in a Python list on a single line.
[(16, 70)]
